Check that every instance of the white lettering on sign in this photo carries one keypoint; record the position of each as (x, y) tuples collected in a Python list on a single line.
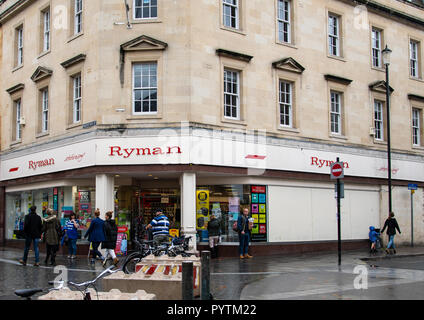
[(42, 163), (315, 161), (127, 152)]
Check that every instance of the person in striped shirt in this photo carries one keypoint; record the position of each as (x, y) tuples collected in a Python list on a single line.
[(160, 228)]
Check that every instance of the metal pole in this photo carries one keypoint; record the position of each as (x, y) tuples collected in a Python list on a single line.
[(206, 258), (187, 280), (339, 242), (389, 161), (412, 218)]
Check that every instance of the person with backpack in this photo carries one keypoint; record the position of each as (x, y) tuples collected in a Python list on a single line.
[(111, 235), (243, 228), (391, 225), (52, 233), (32, 231)]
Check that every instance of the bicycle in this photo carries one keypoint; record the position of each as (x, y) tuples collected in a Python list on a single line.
[(28, 293), (177, 245)]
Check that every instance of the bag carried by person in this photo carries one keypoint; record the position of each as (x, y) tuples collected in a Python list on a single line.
[(235, 228)]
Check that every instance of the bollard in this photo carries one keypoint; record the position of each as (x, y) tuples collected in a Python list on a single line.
[(187, 280), (205, 289)]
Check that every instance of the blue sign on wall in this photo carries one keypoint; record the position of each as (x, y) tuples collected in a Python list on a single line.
[(412, 186)]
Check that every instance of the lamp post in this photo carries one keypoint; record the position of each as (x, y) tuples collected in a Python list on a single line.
[(386, 61)]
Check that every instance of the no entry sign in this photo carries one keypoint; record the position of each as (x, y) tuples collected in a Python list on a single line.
[(336, 170)]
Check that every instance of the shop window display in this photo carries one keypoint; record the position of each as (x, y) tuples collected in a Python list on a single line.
[(227, 202)]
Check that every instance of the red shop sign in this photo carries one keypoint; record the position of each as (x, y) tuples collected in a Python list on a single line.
[(122, 229), (259, 189)]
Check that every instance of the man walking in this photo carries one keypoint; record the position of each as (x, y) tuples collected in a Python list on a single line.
[(160, 228), (32, 230)]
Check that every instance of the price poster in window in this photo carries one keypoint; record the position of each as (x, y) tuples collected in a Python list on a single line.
[(258, 209)]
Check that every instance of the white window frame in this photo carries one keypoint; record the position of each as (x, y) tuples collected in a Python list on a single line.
[(336, 112), (45, 110), (76, 98), (78, 9), (379, 120), (150, 86), (413, 58), (416, 127), (284, 21), (376, 47), (46, 30), (20, 45), (18, 132), (232, 93), (334, 35), (285, 102), (150, 6), (233, 6)]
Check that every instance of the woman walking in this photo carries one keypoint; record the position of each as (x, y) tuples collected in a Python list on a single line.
[(111, 234), (52, 232), (96, 235), (71, 232), (391, 225)]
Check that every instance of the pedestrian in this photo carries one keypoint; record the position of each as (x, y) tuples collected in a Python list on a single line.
[(160, 228), (373, 236), (111, 234), (51, 235), (214, 232), (391, 225), (244, 227), (96, 235), (71, 235), (32, 231)]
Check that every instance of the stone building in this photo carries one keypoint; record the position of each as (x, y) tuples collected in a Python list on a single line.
[(211, 106)]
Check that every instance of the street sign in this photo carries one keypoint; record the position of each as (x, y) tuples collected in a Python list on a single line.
[(412, 186), (336, 170)]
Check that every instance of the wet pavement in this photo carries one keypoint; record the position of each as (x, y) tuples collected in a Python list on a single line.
[(294, 277)]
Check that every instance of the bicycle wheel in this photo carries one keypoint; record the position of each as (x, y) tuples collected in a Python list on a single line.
[(131, 261)]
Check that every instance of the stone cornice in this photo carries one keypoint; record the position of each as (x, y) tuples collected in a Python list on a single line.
[(386, 11), (330, 77), (415, 97), (41, 73), (233, 55), (15, 88), (13, 9), (70, 62), (288, 64)]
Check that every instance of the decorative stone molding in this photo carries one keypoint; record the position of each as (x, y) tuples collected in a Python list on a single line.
[(380, 86), (233, 55), (16, 88), (341, 80), (143, 43), (288, 64), (415, 97), (41, 73), (70, 62)]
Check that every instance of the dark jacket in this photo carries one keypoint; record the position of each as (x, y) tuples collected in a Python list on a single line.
[(51, 227), (243, 224), (391, 225), (214, 228), (95, 232), (33, 225), (111, 234)]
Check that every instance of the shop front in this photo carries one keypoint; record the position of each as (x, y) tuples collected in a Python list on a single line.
[(286, 188)]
